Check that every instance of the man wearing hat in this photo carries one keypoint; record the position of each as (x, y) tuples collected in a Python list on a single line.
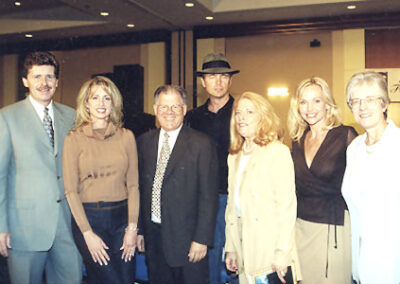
[(213, 118)]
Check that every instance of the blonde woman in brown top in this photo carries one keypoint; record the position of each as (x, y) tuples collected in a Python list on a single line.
[(101, 184)]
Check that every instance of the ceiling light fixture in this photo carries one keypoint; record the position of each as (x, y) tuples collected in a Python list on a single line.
[(130, 25), (28, 35), (209, 18), (351, 7), (17, 3), (189, 4), (104, 13)]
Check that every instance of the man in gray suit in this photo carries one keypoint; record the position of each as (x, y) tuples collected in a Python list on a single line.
[(35, 232)]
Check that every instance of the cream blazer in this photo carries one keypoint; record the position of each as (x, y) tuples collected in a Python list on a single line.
[(268, 211)]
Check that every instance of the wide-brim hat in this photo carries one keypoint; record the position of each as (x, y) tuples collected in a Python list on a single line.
[(216, 63)]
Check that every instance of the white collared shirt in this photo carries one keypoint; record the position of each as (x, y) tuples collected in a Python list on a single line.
[(173, 135), (39, 108)]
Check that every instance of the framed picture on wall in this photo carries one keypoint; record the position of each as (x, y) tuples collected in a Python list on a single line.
[(392, 76)]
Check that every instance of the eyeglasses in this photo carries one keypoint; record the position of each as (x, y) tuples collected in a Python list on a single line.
[(368, 101), (174, 108)]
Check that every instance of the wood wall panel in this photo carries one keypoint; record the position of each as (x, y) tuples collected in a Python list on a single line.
[(382, 48)]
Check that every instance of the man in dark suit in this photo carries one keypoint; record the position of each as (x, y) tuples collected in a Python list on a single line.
[(35, 231), (178, 171)]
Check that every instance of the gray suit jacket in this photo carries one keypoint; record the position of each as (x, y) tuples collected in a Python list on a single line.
[(31, 184)]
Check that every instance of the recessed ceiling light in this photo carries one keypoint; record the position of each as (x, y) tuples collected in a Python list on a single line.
[(209, 18), (28, 35), (351, 7), (130, 25), (104, 13), (17, 3), (189, 4)]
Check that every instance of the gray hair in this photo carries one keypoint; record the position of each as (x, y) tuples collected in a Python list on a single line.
[(165, 88), (368, 78)]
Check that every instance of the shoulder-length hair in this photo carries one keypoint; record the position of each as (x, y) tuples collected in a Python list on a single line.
[(82, 115), (268, 128), (296, 124)]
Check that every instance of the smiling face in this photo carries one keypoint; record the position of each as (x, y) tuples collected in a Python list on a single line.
[(42, 83), (247, 119), (217, 85), (99, 104), (312, 106), (170, 110), (367, 107)]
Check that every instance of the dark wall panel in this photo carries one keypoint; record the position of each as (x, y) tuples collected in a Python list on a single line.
[(382, 48)]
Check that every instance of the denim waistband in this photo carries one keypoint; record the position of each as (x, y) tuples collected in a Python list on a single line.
[(104, 205)]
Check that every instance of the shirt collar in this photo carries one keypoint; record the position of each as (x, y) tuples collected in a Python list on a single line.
[(39, 108), (226, 107), (173, 134)]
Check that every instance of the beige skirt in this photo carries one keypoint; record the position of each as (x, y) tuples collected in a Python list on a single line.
[(324, 259)]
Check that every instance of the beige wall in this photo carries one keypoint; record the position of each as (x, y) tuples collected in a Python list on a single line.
[(8, 79), (77, 66), (153, 61)]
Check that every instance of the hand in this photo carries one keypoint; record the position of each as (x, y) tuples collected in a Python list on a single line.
[(5, 244), (97, 247), (197, 252), (129, 245), (140, 243), (281, 271), (231, 261)]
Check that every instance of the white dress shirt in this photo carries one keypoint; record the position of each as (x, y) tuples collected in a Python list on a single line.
[(39, 108), (371, 188)]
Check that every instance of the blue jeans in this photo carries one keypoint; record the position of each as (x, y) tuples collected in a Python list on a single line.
[(216, 259), (108, 220)]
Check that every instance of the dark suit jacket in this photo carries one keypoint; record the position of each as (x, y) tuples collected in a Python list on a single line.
[(189, 195)]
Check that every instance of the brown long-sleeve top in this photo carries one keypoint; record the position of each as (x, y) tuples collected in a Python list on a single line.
[(100, 165)]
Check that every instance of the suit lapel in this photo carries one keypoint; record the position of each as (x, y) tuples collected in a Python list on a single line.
[(178, 151), (37, 125), (152, 151)]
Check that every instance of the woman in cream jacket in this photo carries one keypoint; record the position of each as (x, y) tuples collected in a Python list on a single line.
[(261, 211)]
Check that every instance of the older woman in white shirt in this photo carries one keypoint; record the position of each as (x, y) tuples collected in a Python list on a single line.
[(371, 185)]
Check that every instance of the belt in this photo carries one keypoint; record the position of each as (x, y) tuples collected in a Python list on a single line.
[(105, 204)]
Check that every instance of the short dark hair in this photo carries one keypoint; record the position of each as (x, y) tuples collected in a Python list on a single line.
[(40, 58), (165, 88)]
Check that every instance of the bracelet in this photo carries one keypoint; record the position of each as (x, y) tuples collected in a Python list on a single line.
[(132, 228)]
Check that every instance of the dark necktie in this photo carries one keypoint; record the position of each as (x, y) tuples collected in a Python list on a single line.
[(48, 126)]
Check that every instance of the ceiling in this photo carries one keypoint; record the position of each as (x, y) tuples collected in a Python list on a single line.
[(54, 19)]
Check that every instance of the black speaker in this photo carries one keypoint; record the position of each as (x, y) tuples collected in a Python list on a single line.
[(130, 80)]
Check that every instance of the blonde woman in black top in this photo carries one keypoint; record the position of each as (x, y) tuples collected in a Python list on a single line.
[(319, 154)]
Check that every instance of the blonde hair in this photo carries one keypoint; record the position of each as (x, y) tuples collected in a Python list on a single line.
[(296, 124), (82, 115), (268, 128)]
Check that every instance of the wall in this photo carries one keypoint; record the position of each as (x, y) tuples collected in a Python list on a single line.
[(8, 79), (77, 66)]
